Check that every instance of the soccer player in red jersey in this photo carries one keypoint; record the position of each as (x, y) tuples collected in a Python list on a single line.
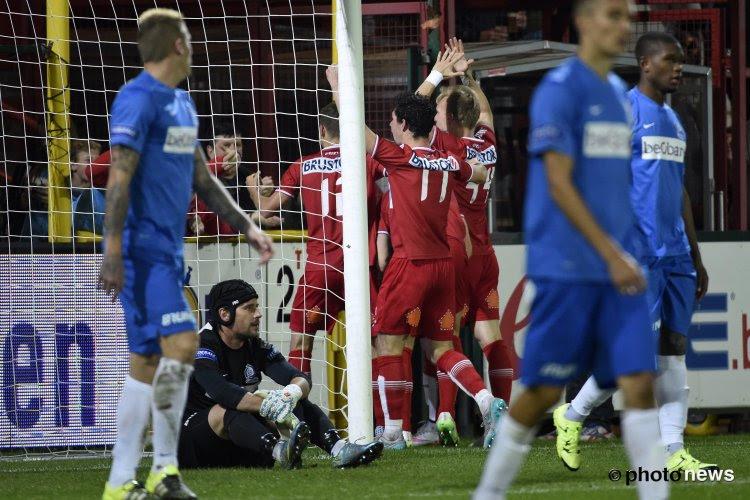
[(465, 125), (317, 179), (418, 287)]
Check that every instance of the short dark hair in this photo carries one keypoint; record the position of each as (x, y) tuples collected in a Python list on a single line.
[(157, 31), (580, 5), (329, 118), (224, 129), (417, 111), (652, 42)]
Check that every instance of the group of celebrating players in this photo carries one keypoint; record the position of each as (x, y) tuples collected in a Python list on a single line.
[(605, 185)]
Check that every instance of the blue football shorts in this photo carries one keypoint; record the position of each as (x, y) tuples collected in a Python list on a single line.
[(154, 302), (672, 282), (580, 328)]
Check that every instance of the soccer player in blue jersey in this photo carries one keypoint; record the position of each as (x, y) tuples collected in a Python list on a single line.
[(589, 312), (676, 275), (156, 160)]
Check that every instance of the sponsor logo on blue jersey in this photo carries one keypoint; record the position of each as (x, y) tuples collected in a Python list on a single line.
[(606, 140), (657, 147), (180, 140)]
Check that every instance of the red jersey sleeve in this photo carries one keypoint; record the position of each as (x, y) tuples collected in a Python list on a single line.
[(387, 153), (443, 141), (290, 181), (455, 228), (374, 169), (98, 171), (384, 226), (464, 171), (486, 134), (216, 165)]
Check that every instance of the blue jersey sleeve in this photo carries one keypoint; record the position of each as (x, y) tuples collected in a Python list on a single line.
[(132, 114), (552, 114)]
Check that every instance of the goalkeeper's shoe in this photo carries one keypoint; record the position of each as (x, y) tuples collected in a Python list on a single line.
[(354, 455), (292, 448), (167, 483), (446, 428), (132, 490), (397, 443), (491, 420), (426, 434), (568, 434), (683, 460)]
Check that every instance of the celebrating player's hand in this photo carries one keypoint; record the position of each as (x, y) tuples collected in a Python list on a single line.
[(261, 242), (626, 274), (462, 65), (702, 286), (446, 60), (332, 73), (112, 274), (266, 222), (230, 162), (267, 187), (196, 225)]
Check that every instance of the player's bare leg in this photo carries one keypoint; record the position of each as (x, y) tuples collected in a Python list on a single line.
[(671, 392), (167, 404), (392, 385)]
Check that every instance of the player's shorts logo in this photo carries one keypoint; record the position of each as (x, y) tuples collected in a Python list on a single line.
[(413, 317), (175, 318), (314, 315), (493, 299), (447, 321), (558, 371)]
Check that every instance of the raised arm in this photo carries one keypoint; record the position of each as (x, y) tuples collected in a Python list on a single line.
[(695, 251), (623, 269), (332, 73), (124, 164), (485, 110), (445, 67), (268, 206), (210, 189)]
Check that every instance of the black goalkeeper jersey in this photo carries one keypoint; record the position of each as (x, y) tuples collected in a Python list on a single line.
[(224, 375)]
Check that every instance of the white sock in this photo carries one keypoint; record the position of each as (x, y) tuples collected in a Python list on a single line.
[(430, 387), (671, 392), (133, 412), (640, 433), (484, 399), (506, 457), (589, 397), (167, 404)]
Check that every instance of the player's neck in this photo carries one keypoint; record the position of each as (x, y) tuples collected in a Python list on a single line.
[(232, 341), (416, 142), (164, 72), (651, 92), (595, 59)]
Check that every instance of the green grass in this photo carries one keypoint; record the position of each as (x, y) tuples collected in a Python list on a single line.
[(424, 472)]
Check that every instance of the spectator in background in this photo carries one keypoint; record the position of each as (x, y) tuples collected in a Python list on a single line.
[(225, 162), (87, 202)]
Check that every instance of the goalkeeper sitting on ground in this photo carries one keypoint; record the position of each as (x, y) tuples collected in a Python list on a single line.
[(226, 422)]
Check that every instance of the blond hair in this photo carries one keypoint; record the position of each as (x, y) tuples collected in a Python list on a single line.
[(157, 31), (462, 104)]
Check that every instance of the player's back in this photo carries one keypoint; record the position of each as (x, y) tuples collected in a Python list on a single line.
[(472, 197), (575, 112), (317, 179), (421, 181), (161, 124), (658, 167)]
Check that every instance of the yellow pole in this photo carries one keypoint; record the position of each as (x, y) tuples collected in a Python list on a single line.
[(58, 120)]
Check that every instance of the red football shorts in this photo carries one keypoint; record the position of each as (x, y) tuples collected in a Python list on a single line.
[(417, 295), (460, 272), (483, 275), (318, 301)]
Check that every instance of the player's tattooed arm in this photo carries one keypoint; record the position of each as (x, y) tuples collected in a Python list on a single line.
[(124, 164), (210, 189)]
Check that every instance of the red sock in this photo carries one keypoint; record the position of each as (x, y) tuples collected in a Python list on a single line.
[(391, 368), (448, 392), (300, 360), (461, 371), (408, 388), (377, 408), (500, 369)]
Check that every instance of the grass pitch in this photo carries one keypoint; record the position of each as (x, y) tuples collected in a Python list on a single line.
[(429, 472)]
